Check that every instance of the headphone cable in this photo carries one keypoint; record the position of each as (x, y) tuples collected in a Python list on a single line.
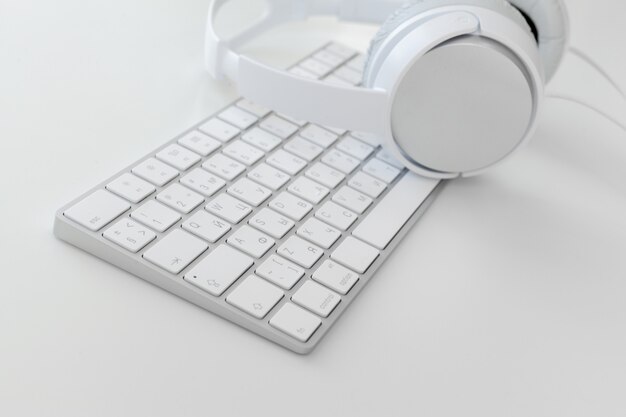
[(589, 61)]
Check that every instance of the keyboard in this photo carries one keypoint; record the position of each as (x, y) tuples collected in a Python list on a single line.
[(273, 223)]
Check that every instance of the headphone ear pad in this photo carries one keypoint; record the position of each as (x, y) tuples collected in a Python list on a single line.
[(416, 7)]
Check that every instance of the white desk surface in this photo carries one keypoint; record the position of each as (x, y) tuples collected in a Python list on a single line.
[(507, 299)]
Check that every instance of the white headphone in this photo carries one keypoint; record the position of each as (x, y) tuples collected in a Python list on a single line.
[(452, 87)]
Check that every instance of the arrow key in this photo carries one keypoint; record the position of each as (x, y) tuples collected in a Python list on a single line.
[(255, 296)]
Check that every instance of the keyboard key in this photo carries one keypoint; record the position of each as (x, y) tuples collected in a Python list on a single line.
[(355, 254), (175, 251), (341, 161), (301, 72), (394, 210), (155, 215), (218, 270), (228, 208), (319, 136), (244, 153), (268, 176), (355, 148), (251, 241), (308, 189), (315, 67), (336, 215), (130, 235), (381, 170), (155, 172), (325, 175), (369, 138), (237, 117), (255, 296), (329, 58), (291, 206), (357, 63), (387, 157), (97, 210), (367, 184), (286, 162), (206, 226), (316, 298), (279, 127), (335, 277), (131, 188), (336, 130), (249, 192), (352, 199), (332, 79), (340, 50), (219, 130), (297, 122), (348, 74), (180, 198), (223, 166), (319, 233), (203, 182), (280, 271), (253, 108), (199, 143), (178, 157), (261, 139), (272, 223), (296, 322), (303, 148), (300, 251)]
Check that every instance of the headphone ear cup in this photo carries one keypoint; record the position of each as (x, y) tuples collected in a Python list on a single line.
[(417, 7)]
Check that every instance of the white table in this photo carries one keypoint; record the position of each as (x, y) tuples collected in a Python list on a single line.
[(507, 299)]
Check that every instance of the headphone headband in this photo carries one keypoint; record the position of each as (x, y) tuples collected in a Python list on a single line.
[(221, 59)]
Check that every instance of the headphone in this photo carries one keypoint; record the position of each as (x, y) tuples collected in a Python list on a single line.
[(451, 87)]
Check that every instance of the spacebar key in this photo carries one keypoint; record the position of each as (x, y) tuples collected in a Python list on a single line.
[(395, 209)]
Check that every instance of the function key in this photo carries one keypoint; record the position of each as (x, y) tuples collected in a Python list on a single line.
[(219, 130), (200, 143), (355, 148), (97, 210), (251, 107), (178, 157), (131, 188), (223, 166), (236, 116), (342, 51), (319, 136), (155, 172), (381, 170), (261, 139), (279, 127)]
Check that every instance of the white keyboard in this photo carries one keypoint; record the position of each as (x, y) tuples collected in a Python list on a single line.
[(273, 223)]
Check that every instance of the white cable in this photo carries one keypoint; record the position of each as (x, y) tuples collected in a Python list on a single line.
[(586, 58), (590, 107)]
